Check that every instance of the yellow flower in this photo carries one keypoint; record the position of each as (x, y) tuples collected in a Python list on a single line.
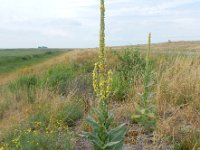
[(15, 141), (102, 80), (1, 148), (28, 130), (109, 82)]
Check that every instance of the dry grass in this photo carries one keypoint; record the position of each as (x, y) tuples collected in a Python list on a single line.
[(177, 93), (19, 111), (181, 46), (177, 99)]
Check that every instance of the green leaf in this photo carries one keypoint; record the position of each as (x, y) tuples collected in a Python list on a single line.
[(109, 121), (92, 122), (111, 144), (96, 144), (118, 133), (93, 138)]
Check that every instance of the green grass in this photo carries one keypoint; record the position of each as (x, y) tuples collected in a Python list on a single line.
[(12, 59)]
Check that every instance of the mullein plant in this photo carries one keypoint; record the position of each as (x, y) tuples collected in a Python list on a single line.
[(145, 110), (103, 136)]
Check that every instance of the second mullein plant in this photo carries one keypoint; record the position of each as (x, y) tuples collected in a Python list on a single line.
[(103, 136), (145, 111)]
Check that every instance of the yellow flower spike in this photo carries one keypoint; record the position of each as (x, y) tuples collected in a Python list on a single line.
[(102, 80)]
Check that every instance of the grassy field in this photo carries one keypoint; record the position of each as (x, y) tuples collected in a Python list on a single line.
[(12, 59), (45, 108)]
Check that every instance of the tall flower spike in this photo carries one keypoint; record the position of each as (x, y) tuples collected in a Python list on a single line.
[(149, 48), (149, 42), (102, 32), (102, 79), (102, 136)]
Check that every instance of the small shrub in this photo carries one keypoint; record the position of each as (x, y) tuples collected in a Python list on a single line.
[(27, 84), (62, 78), (129, 72), (132, 65), (39, 120), (120, 89), (57, 79)]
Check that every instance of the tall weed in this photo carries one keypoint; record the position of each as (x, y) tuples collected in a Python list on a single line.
[(145, 111)]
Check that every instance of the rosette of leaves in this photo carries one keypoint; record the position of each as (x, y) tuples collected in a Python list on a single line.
[(145, 116), (103, 136)]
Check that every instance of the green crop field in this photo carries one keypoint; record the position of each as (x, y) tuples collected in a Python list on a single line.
[(12, 59)]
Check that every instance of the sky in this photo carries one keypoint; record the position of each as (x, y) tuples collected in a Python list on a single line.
[(75, 23)]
